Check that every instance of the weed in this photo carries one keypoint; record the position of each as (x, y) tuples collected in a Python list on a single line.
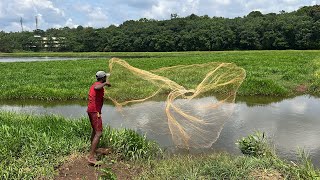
[(107, 174), (255, 145)]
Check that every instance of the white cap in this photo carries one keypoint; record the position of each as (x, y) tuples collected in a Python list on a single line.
[(101, 74)]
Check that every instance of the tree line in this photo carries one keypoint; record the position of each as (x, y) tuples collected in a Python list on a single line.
[(299, 29)]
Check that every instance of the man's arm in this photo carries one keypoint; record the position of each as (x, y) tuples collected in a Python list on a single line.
[(100, 86)]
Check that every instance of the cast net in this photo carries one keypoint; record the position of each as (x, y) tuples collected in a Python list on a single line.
[(198, 99)]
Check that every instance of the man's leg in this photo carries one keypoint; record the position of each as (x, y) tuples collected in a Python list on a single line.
[(94, 145), (93, 133), (91, 118), (96, 123)]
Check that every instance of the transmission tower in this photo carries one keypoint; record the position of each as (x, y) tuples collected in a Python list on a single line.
[(36, 22), (21, 23)]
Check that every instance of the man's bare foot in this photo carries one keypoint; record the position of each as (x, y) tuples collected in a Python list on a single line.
[(104, 151), (92, 161)]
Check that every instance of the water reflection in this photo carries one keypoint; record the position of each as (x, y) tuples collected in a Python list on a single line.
[(31, 59), (47, 58), (289, 123)]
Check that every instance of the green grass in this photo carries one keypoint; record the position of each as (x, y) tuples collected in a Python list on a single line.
[(260, 162), (34, 146), (269, 73), (225, 166)]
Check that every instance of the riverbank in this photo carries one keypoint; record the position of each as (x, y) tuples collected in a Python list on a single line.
[(53, 147), (35, 146)]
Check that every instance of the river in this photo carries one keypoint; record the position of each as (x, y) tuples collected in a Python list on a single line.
[(289, 123)]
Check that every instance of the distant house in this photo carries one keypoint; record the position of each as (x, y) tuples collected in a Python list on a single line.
[(38, 43), (52, 42)]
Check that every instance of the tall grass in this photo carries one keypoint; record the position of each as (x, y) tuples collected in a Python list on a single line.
[(225, 166), (272, 73), (34, 146), (260, 163), (130, 145)]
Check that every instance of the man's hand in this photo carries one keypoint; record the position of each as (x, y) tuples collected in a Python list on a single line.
[(108, 84)]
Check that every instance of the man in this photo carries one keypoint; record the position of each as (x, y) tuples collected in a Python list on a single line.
[(95, 102)]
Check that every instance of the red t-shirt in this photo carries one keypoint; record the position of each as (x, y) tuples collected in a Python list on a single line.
[(95, 99)]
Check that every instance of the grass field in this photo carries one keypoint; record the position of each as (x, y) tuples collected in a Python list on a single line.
[(35, 146), (269, 73)]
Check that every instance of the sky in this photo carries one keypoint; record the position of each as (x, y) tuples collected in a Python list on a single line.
[(103, 13)]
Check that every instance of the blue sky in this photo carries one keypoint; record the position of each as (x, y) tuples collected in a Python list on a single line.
[(102, 13)]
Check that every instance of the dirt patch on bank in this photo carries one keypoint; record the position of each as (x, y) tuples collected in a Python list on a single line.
[(301, 88), (267, 174), (77, 167)]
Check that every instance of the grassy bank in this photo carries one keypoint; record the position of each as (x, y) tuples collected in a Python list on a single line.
[(226, 166), (269, 73), (34, 146), (90, 54), (260, 162)]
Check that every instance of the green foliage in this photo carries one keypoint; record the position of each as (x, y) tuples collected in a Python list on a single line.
[(315, 87), (295, 30), (224, 166), (306, 168), (269, 73), (33, 146), (107, 174), (129, 144), (255, 145), (259, 86), (261, 162)]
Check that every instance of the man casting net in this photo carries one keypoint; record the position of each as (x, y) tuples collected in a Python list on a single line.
[(199, 99)]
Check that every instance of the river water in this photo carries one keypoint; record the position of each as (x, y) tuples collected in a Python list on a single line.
[(289, 123), (31, 59), (47, 58)]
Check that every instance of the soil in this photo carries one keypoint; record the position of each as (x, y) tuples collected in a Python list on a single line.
[(267, 175), (301, 88), (77, 167)]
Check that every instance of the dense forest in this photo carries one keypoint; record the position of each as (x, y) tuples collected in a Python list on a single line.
[(284, 30)]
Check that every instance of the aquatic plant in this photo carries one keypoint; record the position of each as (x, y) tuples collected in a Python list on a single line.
[(272, 73), (255, 145)]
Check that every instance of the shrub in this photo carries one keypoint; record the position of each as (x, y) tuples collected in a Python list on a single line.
[(255, 145)]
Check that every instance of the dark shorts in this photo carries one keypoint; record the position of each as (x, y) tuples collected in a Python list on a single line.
[(96, 121)]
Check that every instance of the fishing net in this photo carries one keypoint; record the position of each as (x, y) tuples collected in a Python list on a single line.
[(197, 99)]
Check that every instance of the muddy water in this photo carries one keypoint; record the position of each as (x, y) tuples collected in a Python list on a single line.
[(290, 123)]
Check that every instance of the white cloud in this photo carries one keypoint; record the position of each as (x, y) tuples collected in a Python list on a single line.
[(161, 10), (101, 13), (95, 16), (70, 23), (13, 10), (98, 15)]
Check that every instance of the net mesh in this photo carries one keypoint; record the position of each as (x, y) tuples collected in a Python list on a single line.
[(199, 98)]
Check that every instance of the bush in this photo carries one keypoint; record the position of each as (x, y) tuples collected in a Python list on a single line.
[(130, 144), (255, 145)]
